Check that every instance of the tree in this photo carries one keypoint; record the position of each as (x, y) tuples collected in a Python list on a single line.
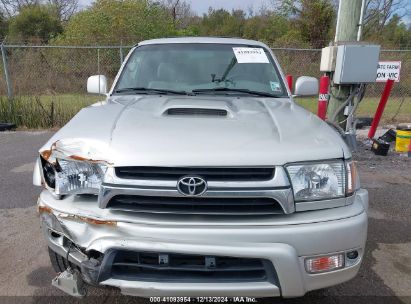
[(10, 8), (180, 11), (3, 27), (313, 19), (64, 8), (34, 22), (223, 23), (213, 21), (268, 27), (394, 34), (379, 12), (118, 21)]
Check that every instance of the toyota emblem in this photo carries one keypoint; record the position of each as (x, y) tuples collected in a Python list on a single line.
[(191, 185)]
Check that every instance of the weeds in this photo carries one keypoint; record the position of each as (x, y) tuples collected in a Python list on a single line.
[(54, 111), (397, 110), (40, 112)]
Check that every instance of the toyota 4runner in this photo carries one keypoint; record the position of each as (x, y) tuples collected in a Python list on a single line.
[(198, 175)]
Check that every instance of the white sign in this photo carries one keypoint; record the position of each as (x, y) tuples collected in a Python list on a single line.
[(250, 55), (388, 70)]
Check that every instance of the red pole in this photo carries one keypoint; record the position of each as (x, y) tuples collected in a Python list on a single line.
[(381, 107), (290, 82), (323, 97)]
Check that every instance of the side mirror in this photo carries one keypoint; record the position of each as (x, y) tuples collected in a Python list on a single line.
[(306, 86), (97, 84)]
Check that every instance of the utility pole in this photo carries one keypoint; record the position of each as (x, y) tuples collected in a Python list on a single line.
[(348, 21)]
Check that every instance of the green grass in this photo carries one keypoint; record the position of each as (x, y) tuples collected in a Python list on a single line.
[(368, 106), (54, 111), (45, 111)]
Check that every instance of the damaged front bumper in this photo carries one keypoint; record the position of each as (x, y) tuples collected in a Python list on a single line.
[(281, 243)]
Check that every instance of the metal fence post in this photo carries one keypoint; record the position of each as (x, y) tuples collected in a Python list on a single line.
[(98, 69), (121, 55), (98, 61), (6, 72)]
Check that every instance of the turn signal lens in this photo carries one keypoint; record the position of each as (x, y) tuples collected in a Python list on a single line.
[(324, 263), (352, 178)]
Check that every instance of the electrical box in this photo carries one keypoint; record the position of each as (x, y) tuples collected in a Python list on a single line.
[(328, 55), (356, 63)]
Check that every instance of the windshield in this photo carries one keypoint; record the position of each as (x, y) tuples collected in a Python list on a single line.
[(200, 69)]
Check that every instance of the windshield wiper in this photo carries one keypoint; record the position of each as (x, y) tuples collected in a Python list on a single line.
[(150, 90), (246, 91), (230, 66)]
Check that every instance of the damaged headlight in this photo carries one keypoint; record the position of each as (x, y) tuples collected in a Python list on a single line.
[(79, 177), (49, 173), (73, 177), (74, 166), (317, 181)]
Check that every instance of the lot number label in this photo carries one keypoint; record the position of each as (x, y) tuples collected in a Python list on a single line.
[(250, 55)]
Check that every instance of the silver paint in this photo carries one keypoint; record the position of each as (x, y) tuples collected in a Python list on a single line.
[(132, 130)]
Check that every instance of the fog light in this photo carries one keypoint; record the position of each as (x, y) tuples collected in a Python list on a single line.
[(352, 255), (324, 263)]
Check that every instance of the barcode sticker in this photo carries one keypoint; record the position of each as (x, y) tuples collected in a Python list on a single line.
[(250, 55)]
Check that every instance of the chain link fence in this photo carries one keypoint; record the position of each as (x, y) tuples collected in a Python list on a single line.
[(43, 70), (38, 70), (298, 62)]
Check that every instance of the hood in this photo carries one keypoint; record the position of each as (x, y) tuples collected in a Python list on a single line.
[(198, 131)]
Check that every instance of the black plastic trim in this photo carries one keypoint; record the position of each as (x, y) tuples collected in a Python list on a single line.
[(185, 268)]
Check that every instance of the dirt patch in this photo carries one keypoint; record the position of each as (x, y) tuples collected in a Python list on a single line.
[(393, 266), (22, 248)]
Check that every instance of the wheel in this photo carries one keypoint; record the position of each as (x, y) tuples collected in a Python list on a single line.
[(58, 262)]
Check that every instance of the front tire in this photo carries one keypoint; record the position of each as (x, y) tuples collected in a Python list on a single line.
[(58, 262)]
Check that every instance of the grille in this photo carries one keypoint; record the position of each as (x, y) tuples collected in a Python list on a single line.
[(149, 266), (196, 112), (210, 174), (195, 205)]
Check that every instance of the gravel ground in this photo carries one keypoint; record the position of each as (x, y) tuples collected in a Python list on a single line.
[(385, 276)]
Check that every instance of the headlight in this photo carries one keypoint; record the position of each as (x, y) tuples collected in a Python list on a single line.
[(317, 181), (78, 177), (74, 166), (73, 177)]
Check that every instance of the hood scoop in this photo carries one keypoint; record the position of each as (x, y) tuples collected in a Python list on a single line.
[(185, 111)]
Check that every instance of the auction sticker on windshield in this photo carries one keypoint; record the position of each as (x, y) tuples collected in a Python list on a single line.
[(250, 55)]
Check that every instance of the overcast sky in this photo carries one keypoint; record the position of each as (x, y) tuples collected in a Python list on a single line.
[(201, 6)]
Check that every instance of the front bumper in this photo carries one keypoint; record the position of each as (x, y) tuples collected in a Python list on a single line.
[(285, 241)]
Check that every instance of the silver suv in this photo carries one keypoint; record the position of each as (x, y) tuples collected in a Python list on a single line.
[(199, 176)]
